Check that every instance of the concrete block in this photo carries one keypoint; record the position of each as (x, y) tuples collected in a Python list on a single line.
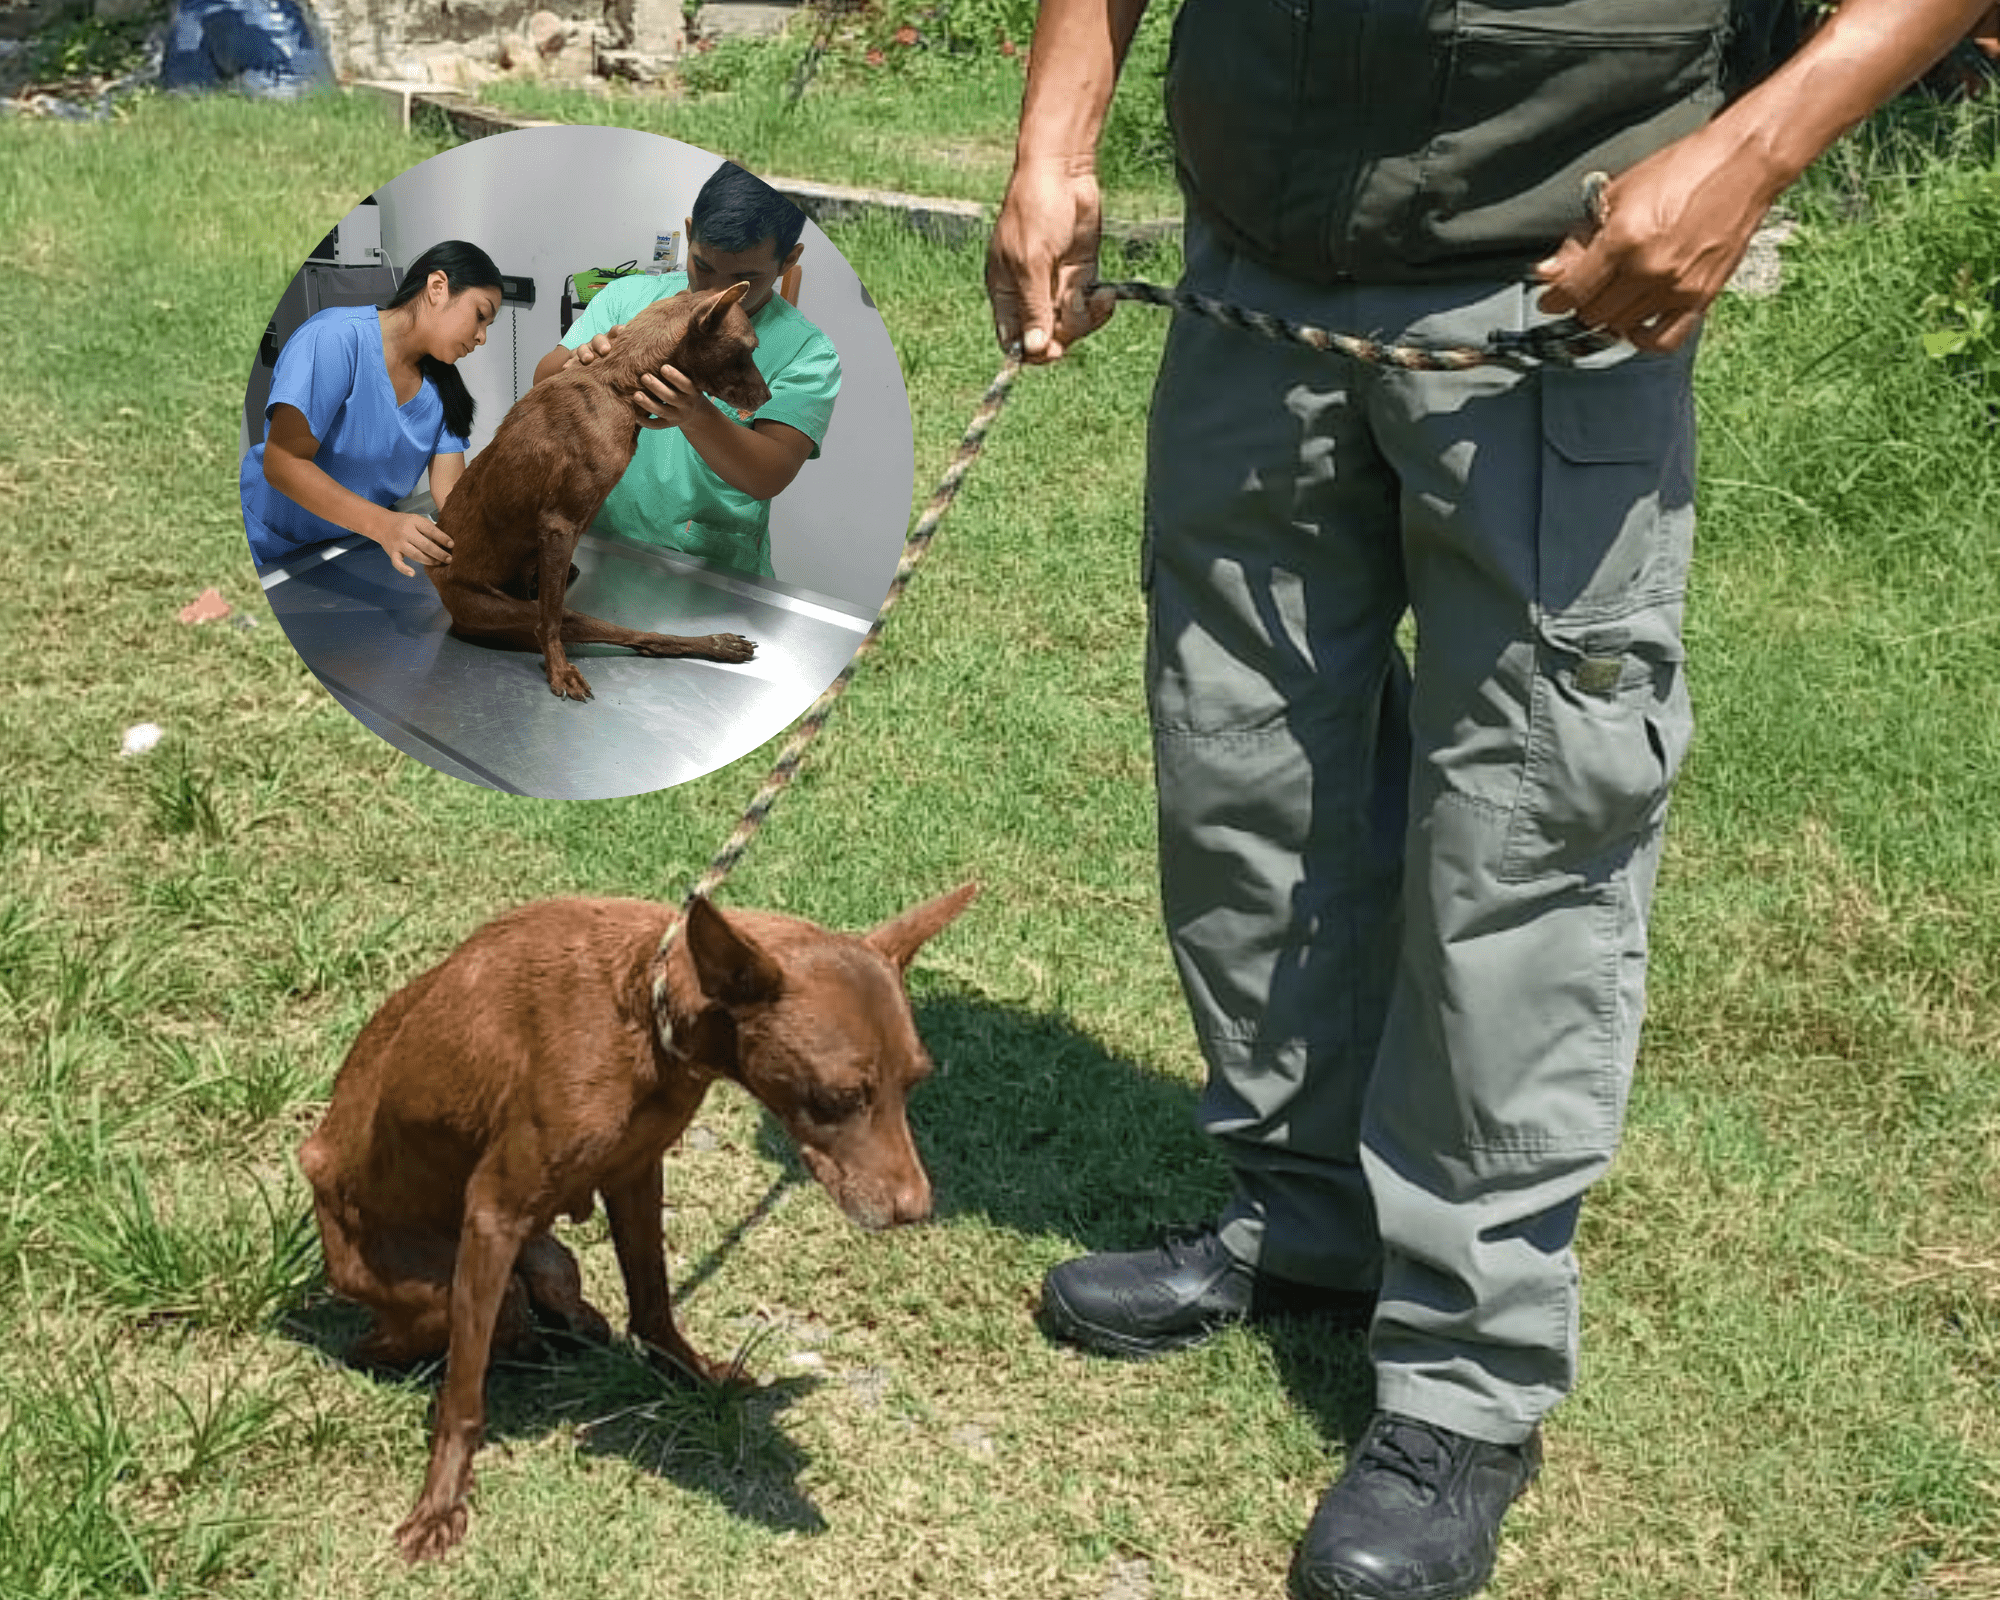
[(393, 97)]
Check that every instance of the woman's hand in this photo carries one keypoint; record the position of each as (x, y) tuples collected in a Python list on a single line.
[(408, 537)]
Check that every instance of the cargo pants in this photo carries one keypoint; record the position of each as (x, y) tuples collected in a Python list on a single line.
[(1408, 896)]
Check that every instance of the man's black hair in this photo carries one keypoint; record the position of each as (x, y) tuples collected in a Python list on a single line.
[(735, 210)]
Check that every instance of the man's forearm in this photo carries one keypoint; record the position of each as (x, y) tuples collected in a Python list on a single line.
[(553, 362), (1072, 71), (751, 462), (1864, 52)]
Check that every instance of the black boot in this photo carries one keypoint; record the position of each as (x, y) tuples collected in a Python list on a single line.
[(1147, 1302), (1415, 1516)]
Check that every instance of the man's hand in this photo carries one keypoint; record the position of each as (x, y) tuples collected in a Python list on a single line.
[(1675, 227), (1043, 257), (1678, 222), (408, 537), (663, 401), (593, 349), (668, 399)]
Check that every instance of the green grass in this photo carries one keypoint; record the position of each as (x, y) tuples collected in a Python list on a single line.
[(1792, 1312), (924, 122)]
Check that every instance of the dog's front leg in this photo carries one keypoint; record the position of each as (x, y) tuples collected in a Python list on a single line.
[(488, 1244), (633, 1206), (557, 536)]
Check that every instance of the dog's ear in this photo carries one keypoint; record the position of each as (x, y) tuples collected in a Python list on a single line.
[(902, 936), (717, 309), (730, 966)]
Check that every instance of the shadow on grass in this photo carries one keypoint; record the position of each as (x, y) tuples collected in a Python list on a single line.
[(1033, 1125), (725, 1443)]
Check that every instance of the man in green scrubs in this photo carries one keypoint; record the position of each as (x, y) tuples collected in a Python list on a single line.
[(1408, 901), (702, 480)]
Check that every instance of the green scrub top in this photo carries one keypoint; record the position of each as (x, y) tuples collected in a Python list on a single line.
[(669, 496)]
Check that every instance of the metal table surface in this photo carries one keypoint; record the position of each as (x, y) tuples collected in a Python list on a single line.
[(379, 642)]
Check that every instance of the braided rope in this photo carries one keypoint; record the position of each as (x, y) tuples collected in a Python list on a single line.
[(915, 547), (1519, 349)]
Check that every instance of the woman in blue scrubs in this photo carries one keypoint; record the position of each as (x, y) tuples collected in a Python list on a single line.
[(363, 402)]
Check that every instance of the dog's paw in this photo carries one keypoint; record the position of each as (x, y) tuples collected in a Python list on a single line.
[(569, 684), (730, 647), (428, 1533), (682, 1362)]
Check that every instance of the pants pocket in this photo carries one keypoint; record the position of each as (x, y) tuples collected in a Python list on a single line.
[(1615, 526), (1608, 727), (1608, 714)]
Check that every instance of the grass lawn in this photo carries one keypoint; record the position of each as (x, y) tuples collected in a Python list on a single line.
[(922, 121), (1792, 1307)]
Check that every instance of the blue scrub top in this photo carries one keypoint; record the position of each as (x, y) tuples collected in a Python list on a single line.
[(333, 371)]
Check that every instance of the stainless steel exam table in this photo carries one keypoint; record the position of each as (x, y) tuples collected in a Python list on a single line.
[(379, 642)]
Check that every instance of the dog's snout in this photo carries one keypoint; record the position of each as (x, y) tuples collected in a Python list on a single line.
[(912, 1201), (875, 1200), (751, 392)]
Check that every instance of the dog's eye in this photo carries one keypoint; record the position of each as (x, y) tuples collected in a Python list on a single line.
[(836, 1105)]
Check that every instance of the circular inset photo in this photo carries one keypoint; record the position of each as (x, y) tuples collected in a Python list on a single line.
[(576, 462)]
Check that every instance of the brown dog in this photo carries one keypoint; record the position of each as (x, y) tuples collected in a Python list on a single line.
[(515, 515), (523, 1076)]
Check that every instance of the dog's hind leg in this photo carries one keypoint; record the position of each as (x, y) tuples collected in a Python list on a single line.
[(486, 615), (580, 629), (555, 1288), (404, 1277)]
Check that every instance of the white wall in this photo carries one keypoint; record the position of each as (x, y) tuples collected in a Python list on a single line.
[(546, 202)]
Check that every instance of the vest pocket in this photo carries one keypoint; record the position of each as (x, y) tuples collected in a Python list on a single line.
[(1535, 95), (1235, 76)]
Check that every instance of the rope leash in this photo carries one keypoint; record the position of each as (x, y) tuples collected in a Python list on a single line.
[(786, 767), (1518, 348), (1556, 343)]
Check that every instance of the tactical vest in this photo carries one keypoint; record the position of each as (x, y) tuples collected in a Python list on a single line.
[(1411, 140)]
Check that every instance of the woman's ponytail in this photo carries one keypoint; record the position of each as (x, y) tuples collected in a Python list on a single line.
[(465, 266)]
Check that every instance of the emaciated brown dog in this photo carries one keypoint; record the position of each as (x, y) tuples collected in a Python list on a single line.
[(515, 515), (523, 1077)]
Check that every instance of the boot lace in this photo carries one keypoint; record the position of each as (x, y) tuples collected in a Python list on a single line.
[(1418, 1452)]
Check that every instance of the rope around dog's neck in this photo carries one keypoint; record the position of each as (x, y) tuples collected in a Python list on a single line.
[(1557, 343)]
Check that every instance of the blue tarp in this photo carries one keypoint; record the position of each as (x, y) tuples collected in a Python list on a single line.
[(267, 48)]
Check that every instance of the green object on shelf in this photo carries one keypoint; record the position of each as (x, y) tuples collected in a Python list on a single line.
[(591, 279)]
